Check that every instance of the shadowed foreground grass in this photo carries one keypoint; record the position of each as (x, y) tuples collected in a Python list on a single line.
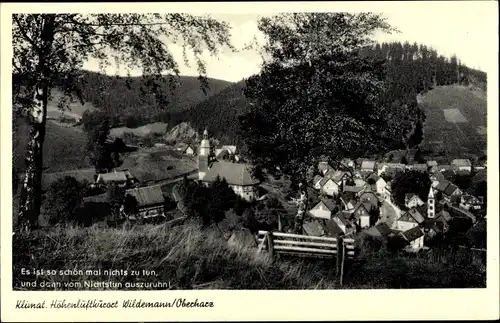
[(187, 257)]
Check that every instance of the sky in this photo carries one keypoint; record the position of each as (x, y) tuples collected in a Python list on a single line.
[(464, 30)]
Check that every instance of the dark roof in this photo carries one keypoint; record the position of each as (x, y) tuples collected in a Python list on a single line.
[(373, 176), (348, 196), (409, 196), (354, 189), (148, 195), (363, 197), (406, 217), (443, 215), (343, 216), (450, 189), (330, 227), (448, 174), (412, 234), (442, 185), (439, 177), (462, 172), (336, 175), (329, 204), (384, 229), (415, 213), (313, 228), (235, 174)]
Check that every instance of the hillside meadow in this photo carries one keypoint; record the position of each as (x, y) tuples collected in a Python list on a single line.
[(455, 126)]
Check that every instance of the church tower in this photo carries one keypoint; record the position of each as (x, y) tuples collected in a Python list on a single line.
[(203, 156), (431, 204)]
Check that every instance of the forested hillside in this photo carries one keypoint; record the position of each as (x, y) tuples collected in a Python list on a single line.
[(127, 103), (410, 69)]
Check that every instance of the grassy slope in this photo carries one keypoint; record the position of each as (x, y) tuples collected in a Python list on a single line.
[(64, 147), (450, 139), (190, 258)]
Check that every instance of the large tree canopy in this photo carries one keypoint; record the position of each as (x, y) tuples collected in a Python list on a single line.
[(315, 96), (50, 50)]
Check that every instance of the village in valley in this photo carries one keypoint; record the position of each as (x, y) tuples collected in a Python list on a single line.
[(355, 163), (352, 197)]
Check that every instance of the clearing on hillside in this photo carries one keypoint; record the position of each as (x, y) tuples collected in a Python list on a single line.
[(75, 109), (63, 149), (454, 116), (455, 121)]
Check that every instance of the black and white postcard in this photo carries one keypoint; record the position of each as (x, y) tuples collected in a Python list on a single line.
[(249, 161)]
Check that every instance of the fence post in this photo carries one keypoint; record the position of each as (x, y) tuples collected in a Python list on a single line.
[(340, 259), (270, 244)]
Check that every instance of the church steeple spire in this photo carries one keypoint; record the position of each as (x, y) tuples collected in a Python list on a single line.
[(431, 204)]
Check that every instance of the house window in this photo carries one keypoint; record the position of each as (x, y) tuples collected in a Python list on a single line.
[(431, 208)]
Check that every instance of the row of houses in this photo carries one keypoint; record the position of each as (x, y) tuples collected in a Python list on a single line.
[(351, 199)]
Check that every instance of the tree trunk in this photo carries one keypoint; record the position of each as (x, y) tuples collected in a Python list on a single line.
[(32, 184), (302, 208), (31, 191)]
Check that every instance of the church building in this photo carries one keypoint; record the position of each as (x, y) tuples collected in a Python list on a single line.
[(238, 176)]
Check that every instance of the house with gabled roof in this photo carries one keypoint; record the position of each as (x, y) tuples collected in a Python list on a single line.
[(414, 238), (413, 200), (323, 209), (361, 213), (470, 202), (461, 164), (390, 168), (324, 167), (452, 193), (348, 163), (437, 178), (329, 187), (238, 176), (348, 202), (323, 228), (418, 213), (370, 197), (122, 178), (367, 166), (405, 222), (388, 191), (341, 219), (378, 185), (356, 190), (381, 230), (184, 148), (316, 182), (150, 202)]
